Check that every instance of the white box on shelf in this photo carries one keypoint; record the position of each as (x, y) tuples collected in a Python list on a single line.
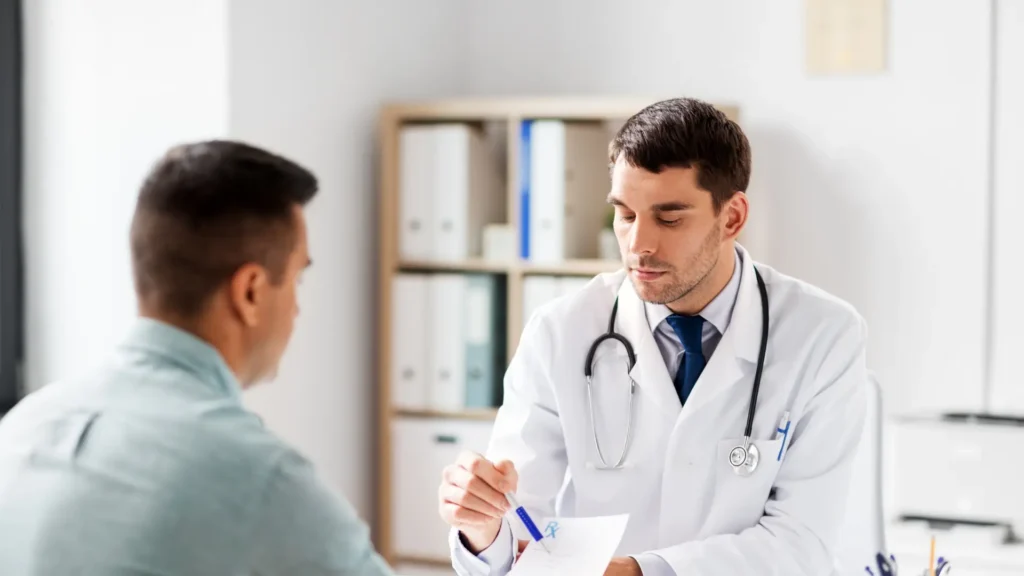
[(421, 448), (499, 243)]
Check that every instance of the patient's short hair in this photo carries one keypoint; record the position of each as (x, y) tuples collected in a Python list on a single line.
[(204, 210)]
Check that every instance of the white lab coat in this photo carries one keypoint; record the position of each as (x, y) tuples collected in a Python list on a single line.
[(684, 500)]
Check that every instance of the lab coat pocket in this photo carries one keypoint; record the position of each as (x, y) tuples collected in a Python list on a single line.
[(739, 499)]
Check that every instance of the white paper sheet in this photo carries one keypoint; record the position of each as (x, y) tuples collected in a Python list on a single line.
[(579, 546)]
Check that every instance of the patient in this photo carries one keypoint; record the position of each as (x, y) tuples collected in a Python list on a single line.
[(151, 465)]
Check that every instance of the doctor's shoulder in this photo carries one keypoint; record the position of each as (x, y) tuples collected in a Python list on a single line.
[(814, 324)]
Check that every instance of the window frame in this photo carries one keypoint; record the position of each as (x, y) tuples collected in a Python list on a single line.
[(12, 331)]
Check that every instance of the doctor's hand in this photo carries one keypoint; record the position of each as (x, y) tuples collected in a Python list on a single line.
[(472, 497), (623, 567)]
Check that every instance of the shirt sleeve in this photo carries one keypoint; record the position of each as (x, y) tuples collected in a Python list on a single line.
[(306, 528), (494, 560)]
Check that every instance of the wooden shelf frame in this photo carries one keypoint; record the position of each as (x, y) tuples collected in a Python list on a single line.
[(477, 414), (564, 268), (511, 111)]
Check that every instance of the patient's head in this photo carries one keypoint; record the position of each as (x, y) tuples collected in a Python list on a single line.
[(218, 244)]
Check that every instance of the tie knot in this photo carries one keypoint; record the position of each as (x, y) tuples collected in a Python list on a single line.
[(689, 329)]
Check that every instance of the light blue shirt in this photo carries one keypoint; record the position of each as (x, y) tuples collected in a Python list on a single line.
[(152, 466)]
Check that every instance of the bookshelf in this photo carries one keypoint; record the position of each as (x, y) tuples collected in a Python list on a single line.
[(501, 118)]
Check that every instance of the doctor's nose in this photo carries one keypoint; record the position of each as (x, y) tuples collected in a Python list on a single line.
[(643, 237)]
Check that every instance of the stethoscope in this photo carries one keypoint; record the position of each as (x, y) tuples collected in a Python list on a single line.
[(743, 458)]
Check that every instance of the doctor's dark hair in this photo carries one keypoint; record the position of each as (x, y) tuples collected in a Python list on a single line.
[(204, 210), (685, 133)]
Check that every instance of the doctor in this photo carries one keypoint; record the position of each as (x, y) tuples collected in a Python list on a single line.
[(724, 411)]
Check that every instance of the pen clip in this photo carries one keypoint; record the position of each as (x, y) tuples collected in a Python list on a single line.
[(784, 424)]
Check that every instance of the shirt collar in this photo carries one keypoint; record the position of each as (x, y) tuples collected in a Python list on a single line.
[(718, 312), (177, 346)]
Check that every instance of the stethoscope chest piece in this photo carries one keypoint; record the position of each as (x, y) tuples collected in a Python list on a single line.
[(744, 459)]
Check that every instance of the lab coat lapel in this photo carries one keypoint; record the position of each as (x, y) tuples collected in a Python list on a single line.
[(736, 354), (649, 373)]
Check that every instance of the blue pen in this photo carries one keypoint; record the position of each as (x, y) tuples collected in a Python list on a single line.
[(785, 433), (521, 512)]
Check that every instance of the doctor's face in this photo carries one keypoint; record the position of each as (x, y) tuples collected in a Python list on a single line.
[(673, 242)]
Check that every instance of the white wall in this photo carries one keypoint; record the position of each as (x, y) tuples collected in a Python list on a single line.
[(110, 84), (1007, 388), (309, 83), (873, 188)]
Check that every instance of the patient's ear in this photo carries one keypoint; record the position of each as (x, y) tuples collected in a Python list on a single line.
[(247, 287)]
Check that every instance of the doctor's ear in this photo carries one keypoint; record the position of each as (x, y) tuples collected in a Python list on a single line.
[(734, 215), (247, 290)]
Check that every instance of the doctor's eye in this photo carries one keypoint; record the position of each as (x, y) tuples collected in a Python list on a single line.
[(669, 222), (627, 217)]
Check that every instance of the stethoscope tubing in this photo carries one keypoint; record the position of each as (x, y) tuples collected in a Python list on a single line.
[(610, 334)]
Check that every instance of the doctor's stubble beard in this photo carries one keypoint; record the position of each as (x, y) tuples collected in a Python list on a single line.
[(682, 281)]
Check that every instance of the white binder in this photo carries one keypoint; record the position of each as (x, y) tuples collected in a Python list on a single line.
[(537, 291), (409, 337), (569, 285), (468, 193), (447, 342), (568, 183), (416, 176), (485, 339)]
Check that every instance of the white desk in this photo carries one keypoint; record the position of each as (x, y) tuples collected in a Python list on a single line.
[(971, 552)]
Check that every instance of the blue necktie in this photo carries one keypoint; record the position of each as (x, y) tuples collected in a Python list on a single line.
[(689, 329)]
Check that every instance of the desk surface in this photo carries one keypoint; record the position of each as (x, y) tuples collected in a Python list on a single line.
[(971, 551)]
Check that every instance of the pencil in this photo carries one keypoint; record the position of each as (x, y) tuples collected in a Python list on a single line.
[(931, 559)]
